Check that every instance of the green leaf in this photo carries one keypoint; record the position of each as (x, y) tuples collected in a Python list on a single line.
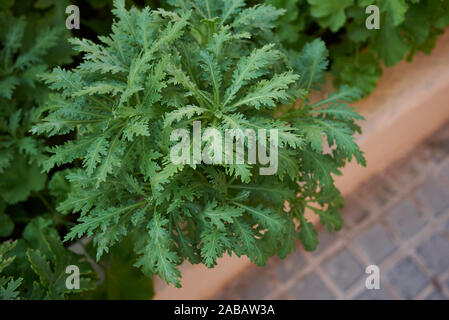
[(250, 68), (330, 14), (307, 234), (156, 255), (267, 92), (133, 284), (17, 185), (7, 86), (6, 225), (388, 43), (41, 266), (10, 293), (321, 167), (362, 74), (311, 63), (219, 216), (185, 112), (330, 218)]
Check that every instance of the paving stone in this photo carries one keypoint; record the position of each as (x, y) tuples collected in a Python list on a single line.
[(447, 225), (353, 213), (344, 269), (405, 219), (377, 192), (436, 295), (325, 240), (442, 134), (435, 253), (434, 195), (445, 172), (287, 268), (408, 278), (407, 171), (439, 144), (375, 294), (258, 290), (255, 285), (310, 287), (376, 242)]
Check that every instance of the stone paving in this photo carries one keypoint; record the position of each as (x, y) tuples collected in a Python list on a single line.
[(398, 220)]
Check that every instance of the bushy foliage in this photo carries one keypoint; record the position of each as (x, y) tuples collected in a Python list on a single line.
[(33, 259), (357, 54), (99, 148), (34, 267), (24, 55), (25, 46), (214, 61)]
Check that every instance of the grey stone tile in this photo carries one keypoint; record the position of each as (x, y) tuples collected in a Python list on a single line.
[(254, 283), (407, 170), (408, 278), (376, 242), (434, 195), (292, 264), (326, 240), (257, 290), (377, 192), (436, 295), (439, 144), (447, 225), (435, 253), (310, 287), (344, 269), (445, 172), (441, 134), (405, 219), (374, 294), (353, 213)]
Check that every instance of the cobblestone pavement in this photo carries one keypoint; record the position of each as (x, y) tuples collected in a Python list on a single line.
[(398, 220)]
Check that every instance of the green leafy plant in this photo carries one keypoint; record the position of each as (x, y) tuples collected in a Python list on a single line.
[(97, 17), (100, 152), (40, 261), (24, 55), (357, 54), (8, 285), (32, 266), (211, 61)]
